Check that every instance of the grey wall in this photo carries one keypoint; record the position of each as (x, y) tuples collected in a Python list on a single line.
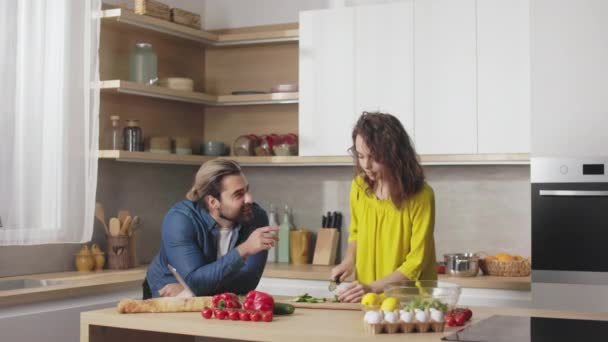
[(479, 208)]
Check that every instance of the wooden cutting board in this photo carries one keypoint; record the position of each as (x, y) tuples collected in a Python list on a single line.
[(323, 306)]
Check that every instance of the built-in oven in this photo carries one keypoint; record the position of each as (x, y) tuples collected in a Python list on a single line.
[(570, 226)]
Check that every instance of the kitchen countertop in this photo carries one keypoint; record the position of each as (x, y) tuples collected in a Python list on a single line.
[(76, 283), (304, 324), (73, 284), (318, 272)]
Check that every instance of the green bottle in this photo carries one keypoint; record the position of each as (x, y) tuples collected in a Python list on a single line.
[(286, 227), (143, 64)]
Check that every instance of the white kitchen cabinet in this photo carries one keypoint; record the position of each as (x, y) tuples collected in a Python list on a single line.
[(569, 70), (503, 76), (445, 76), (455, 72), (384, 60), (326, 112)]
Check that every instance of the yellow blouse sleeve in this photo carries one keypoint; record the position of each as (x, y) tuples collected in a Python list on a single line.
[(422, 211), (354, 200)]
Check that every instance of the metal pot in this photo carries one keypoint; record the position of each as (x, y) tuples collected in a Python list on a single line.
[(461, 264)]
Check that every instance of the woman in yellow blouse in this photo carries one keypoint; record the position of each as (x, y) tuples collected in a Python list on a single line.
[(392, 211)]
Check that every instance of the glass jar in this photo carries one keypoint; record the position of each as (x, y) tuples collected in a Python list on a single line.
[(114, 140), (133, 137), (143, 64)]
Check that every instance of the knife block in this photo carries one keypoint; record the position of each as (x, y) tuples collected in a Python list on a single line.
[(326, 246)]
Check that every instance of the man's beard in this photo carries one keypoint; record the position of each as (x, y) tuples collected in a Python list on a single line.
[(245, 215)]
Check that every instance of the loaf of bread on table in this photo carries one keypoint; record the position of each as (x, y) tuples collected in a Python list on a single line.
[(164, 304)]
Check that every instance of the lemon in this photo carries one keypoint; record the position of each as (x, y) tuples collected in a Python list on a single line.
[(390, 304), (370, 299)]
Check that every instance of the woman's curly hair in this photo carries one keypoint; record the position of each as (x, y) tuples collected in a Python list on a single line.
[(389, 145)]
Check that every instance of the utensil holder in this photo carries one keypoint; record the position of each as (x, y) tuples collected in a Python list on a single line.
[(299, 248), (118, 253)]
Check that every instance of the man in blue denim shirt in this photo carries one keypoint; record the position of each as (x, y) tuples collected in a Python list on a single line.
[(217, 239)]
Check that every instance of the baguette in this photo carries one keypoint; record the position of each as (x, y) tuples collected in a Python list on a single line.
[(164, 304)]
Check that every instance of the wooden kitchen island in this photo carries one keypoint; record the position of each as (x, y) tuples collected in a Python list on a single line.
[(305, 324)]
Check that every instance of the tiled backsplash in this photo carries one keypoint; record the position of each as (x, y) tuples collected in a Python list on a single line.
[(478, 208)]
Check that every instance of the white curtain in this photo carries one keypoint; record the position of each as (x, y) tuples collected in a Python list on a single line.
[(49, 120)]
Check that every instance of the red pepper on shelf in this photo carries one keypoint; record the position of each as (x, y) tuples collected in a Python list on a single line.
[(256, 300), (226, 300)]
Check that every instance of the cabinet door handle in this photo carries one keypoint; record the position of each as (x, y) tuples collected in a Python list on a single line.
[(574, 193)]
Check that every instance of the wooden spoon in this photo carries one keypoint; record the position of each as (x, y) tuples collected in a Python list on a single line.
[(101, 216), (114, 226), (135, 224), (122, 215), (124, 229)]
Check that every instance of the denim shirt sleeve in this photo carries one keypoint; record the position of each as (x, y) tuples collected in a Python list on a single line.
[(179, 241), (249, 275)]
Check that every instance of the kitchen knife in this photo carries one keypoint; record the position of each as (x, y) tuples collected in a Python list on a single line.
[(324, 222), (330, 220), (338, 221), (181, 281), (333, 283)]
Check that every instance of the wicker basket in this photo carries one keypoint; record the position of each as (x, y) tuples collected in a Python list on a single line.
[(182, 17), (515, 268), (153, 9)]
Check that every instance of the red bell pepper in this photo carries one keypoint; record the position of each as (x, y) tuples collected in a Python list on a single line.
[(256, 300), (226, 300)]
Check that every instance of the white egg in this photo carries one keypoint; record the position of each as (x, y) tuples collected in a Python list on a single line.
[(407, 316), (437, 316), (372, 317), (390, 317), (422, 316)]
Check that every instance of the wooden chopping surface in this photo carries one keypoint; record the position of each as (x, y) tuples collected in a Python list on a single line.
[(328, 305)]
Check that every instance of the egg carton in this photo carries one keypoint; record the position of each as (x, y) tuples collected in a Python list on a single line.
[(402, 327)]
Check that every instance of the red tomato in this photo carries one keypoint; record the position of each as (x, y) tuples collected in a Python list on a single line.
[(267, 316), (468, 313), (234, 315), (256, 316), (244, 316), (450, 321), (460, 318), (220, 314), (207, 313)]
